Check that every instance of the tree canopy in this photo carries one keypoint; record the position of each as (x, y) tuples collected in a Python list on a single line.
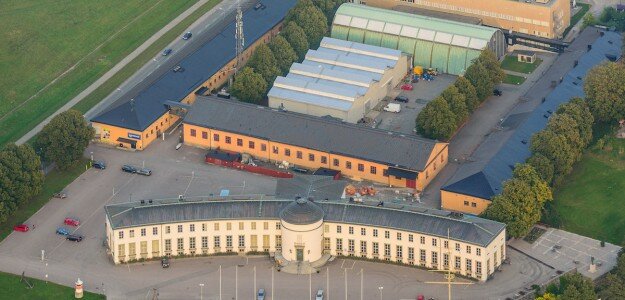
[(311, 19), (605, 91), (576, 287), (543, 166), (283, 53), (249, 86), (20, 177), (468, 90), (557, 149), (477, 74), (296, 37), (578, 110), (492, 65), (264, 63), (436, 120), (457, 104), (65, 138)]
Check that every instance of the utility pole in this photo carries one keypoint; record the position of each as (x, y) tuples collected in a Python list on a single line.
[(328, 281), (253, 292), (310, 286), (345, 283), (236, 282), (361, 282), (272, 292), (219, 282)]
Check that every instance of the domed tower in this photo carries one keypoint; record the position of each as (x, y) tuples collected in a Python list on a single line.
[(302, 231)]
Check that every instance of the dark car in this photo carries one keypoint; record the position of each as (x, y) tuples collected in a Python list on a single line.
[(187, 35), (129, 169), (497, 92), (403, 99), (165, 262), (74, 238), (299, 170), (98, 165), (144, 171), (167, 52)]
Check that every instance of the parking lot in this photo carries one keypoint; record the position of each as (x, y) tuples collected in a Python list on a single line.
[(423, 92)]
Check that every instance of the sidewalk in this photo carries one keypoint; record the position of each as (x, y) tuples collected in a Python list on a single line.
[(114, 70)]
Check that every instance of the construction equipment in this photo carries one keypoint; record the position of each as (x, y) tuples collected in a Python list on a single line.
[(417, 70), (432, 71)]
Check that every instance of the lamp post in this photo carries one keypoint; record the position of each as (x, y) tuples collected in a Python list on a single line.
[(380, 288), (201, 291)]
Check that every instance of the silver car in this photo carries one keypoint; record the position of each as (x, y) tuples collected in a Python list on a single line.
[(144, 171), (319, 295), (261, 294)]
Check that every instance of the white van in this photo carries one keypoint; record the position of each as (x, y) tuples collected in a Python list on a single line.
[(393, 107)]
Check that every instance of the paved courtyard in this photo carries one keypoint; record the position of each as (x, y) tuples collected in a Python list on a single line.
[(565, 251)]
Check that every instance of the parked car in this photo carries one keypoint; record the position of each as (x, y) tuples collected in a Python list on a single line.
[(60, 195), (261, 294), (420, 297), (178, 69), (165, 262), (319, 295), (144, 171), (299, 170), (62, 231), (187, 35), (98, 165), (71, 222), (74, 238), (21, 228), (129, 169), (403, 99), (392, 107), (407, 87), (497, 92), (167, 51)]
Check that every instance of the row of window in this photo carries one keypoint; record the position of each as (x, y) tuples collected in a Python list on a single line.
[(399, 236), (180, 228), (399, 254)]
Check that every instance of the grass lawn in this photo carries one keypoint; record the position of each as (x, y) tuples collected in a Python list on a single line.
[(12, 288), (513, 79), (43, 39), (511, 63), (55, 181), (577, 17), (591, 200), (110, 85)]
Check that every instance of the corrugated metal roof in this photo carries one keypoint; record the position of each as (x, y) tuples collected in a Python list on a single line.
[(148, 105), (498, 168), (317, 100), (374, 76), (431, 222), (357, 89), (359, 48), (313, 88), (361, 13), (362, 80), (408, 151)]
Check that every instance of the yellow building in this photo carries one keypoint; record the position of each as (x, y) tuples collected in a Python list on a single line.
[(305, 233), (139, 118), (310, 142), (542, 18)]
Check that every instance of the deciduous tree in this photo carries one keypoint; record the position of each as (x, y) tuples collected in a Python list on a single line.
[(249, 86), (576, 287), (468, 90), (514, 208), (557, 149), (264, 63), (457, 104), (20, 177), (65, 138), (566, 126), (541, 192), (283, 52), (296, 37), (605, 92), (311, 19), (478, 76), (543, 166), (436, 120), (612, 288), (578, 110), (492, 65)]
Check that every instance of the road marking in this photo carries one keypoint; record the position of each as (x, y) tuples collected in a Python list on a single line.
[(91, 216)]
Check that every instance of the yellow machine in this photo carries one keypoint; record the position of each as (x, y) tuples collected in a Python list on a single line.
[(418, 70)]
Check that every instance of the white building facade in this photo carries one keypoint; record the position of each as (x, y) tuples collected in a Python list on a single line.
[(303, 230)]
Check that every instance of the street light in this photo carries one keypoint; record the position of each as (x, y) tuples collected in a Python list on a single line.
[(380, 288), (201, 290)]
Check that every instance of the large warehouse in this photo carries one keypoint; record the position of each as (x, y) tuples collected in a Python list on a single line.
[(341, 79), (134, 121), (446, 45), (310, 142), (305, 233), (470, 190)]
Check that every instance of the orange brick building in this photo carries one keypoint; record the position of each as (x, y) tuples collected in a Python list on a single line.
[(138, 119), (312, 142)]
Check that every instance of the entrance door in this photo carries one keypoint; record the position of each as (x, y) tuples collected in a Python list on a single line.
[(411, 183), (299, 254)]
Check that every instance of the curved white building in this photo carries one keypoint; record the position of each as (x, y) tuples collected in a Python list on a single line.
[(304, 232)]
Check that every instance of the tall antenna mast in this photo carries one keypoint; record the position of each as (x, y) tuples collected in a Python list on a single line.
[(449, 275), (240, 38)]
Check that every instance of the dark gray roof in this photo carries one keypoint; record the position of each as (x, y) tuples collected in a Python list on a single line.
[(486, 178), (323, 134), (301, 212), (469, 229), (148, 105)]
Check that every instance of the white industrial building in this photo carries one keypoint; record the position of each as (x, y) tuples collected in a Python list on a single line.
[(341, 79)]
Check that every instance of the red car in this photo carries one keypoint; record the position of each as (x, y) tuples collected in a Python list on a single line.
[(407, 87), (71, 222), (21, 227)]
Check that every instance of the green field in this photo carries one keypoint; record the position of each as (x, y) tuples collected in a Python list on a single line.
[(511, 63), (12, 288), (591, 201), (81, 39), (513, 79), (55, 181)]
